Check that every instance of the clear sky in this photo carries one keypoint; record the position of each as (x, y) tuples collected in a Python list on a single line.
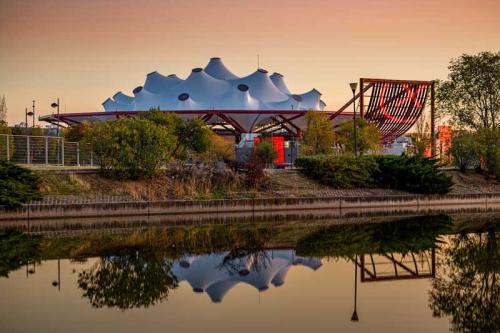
[(85, 51)]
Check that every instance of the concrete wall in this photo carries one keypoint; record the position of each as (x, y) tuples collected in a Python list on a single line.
[(38, 216)]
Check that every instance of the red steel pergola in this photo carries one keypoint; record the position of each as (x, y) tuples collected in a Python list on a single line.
[(392, 105)]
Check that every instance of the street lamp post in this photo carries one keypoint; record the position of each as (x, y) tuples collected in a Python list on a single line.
[(354, 86), (33, 114), (29, 114), (56, 105), (354, 316)]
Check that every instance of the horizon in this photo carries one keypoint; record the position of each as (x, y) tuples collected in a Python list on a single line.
[(52, 50)]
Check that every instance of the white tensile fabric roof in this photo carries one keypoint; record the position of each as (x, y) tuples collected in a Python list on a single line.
[(215, 88)]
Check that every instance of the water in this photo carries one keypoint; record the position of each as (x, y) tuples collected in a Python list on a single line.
[(414, 275)]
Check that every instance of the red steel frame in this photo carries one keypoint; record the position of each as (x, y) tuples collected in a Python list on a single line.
[(393, 106)]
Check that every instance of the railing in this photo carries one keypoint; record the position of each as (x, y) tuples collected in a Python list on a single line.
[(48, 150)]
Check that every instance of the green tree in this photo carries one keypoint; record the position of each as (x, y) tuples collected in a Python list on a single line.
[(193, 135), (367, 134), (471, 95), (319, 137), (130, 148), (465, 150)]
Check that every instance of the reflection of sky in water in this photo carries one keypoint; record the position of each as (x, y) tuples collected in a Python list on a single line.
[(237, 290), (321, 298)]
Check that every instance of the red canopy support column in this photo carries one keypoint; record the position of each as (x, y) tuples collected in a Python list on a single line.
[(433, 125), (361, 98)]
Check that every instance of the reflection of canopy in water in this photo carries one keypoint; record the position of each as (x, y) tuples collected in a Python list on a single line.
[(210, 273)]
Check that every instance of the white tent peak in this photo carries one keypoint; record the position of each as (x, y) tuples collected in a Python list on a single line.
[(279, 82), (122, 98), (218, 70)]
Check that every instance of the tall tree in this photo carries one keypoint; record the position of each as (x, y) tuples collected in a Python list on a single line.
[(471, 95), (319, 136), (367, 134), (3, 110), (422, 136)]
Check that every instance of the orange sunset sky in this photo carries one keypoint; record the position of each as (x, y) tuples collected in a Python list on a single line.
[(85, 51)]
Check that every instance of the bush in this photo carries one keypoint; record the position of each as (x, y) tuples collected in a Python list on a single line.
[(465, 150), (192, 135), (414, 174), (129, 148), (17, 185), (344, 171)]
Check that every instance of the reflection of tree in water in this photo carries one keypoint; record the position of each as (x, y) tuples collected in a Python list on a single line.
[(244, 261), (17, 249), (466, 286), (131, 279), (248, 256), (404, 236)]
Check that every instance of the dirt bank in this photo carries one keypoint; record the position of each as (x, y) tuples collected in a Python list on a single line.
[(60, 187)]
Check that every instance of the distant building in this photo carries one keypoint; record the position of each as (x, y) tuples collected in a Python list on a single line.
[(399, 146)]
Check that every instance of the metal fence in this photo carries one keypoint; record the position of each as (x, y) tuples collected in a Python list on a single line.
[(48, 150)]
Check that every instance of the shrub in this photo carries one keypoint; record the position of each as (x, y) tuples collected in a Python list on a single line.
[(414, 174), (465, 150), (192, 135), (17, 185), (129, 148), (344, 171)]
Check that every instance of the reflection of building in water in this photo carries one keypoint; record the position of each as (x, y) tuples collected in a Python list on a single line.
[(397, 266), (217, 273)]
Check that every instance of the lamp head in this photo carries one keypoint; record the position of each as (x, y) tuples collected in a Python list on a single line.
[(354, 86), (54, 105), (354, 316)]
